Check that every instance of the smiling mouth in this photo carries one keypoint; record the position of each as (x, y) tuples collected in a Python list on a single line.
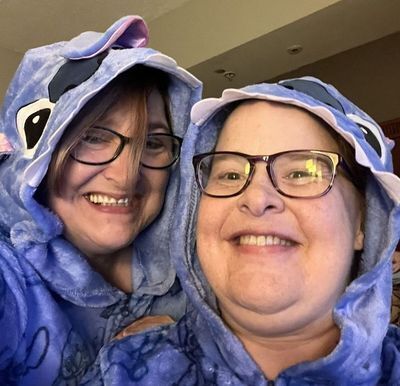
[(264, 240), (104, 200)]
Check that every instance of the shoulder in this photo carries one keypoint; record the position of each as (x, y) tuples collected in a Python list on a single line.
[(391, 356), (168, 341), (13, 304), (162, 355), (12, 274), (15, 273)]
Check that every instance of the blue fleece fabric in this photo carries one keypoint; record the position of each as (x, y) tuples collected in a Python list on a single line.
[(200, 349), (55, 311)]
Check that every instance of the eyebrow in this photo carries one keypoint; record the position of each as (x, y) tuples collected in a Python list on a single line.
[(159, 125)]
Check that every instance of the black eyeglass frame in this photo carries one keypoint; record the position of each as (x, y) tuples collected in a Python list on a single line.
[(335, 158), (125, 140)]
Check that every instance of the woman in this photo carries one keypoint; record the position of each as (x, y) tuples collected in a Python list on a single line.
[(296, 225), (90, 134)]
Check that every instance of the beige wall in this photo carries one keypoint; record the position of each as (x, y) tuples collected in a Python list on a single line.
[(10, 61), (368, 75)]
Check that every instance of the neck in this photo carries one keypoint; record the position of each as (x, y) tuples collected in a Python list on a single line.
[(277, 353), (116, 268), (277, 342)]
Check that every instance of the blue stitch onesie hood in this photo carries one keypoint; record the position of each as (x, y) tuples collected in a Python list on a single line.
[(200, 349), (50, 87)]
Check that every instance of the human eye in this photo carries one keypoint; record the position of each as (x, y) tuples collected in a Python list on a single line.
[(96, 137), (230, 176), (226, 178), (228, 170), (306, 171), (299, 176), (156, 144)]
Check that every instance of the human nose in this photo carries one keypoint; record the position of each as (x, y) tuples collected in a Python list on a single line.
[(260, 196), (123, 170)]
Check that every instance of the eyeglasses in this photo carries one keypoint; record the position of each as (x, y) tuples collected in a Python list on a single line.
[(99, 146), (294, 173)]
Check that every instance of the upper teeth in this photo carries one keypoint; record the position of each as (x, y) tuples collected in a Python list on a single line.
[(102, 199), (263, 240)]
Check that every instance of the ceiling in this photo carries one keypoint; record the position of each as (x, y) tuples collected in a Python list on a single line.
[(247, 40)]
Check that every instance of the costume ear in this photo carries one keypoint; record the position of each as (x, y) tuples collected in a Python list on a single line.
[(5, 147), (127, 32)]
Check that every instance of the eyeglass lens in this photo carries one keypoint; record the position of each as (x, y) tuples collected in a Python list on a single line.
[(161, 150), (296, 174), (99, 146)]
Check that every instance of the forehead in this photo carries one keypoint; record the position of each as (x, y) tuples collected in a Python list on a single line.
[(156, 106), (267, 127), (124, 115)]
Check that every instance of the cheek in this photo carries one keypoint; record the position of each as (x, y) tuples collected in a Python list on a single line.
[(154, 190), (210, 245), (334, 218), (202, 231), (157, 180), (75, 176), (208, 221), (332, 227), (164, 182), (353, 203)]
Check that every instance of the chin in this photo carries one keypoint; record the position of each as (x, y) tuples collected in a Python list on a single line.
[(103, 248), (264, 307), (264, 301)]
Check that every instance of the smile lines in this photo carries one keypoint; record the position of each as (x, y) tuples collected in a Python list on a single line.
[(264, 240), (102, 199)]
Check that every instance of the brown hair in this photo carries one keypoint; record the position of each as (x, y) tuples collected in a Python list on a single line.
[(132, 86)]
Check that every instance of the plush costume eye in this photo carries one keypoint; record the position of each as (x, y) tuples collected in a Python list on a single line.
[(31, 121), (371, 134), (32, 118)]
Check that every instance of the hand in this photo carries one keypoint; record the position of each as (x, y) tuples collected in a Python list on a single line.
[(144, 324)]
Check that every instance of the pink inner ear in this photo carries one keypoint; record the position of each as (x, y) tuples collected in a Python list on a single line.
[(131, 34), (5, 146), (128, 32)]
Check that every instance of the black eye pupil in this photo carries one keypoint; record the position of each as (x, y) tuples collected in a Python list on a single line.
[(34, 126), (371, 139)]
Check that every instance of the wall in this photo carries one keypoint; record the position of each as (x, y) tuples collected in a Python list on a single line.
[(369, 75)]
